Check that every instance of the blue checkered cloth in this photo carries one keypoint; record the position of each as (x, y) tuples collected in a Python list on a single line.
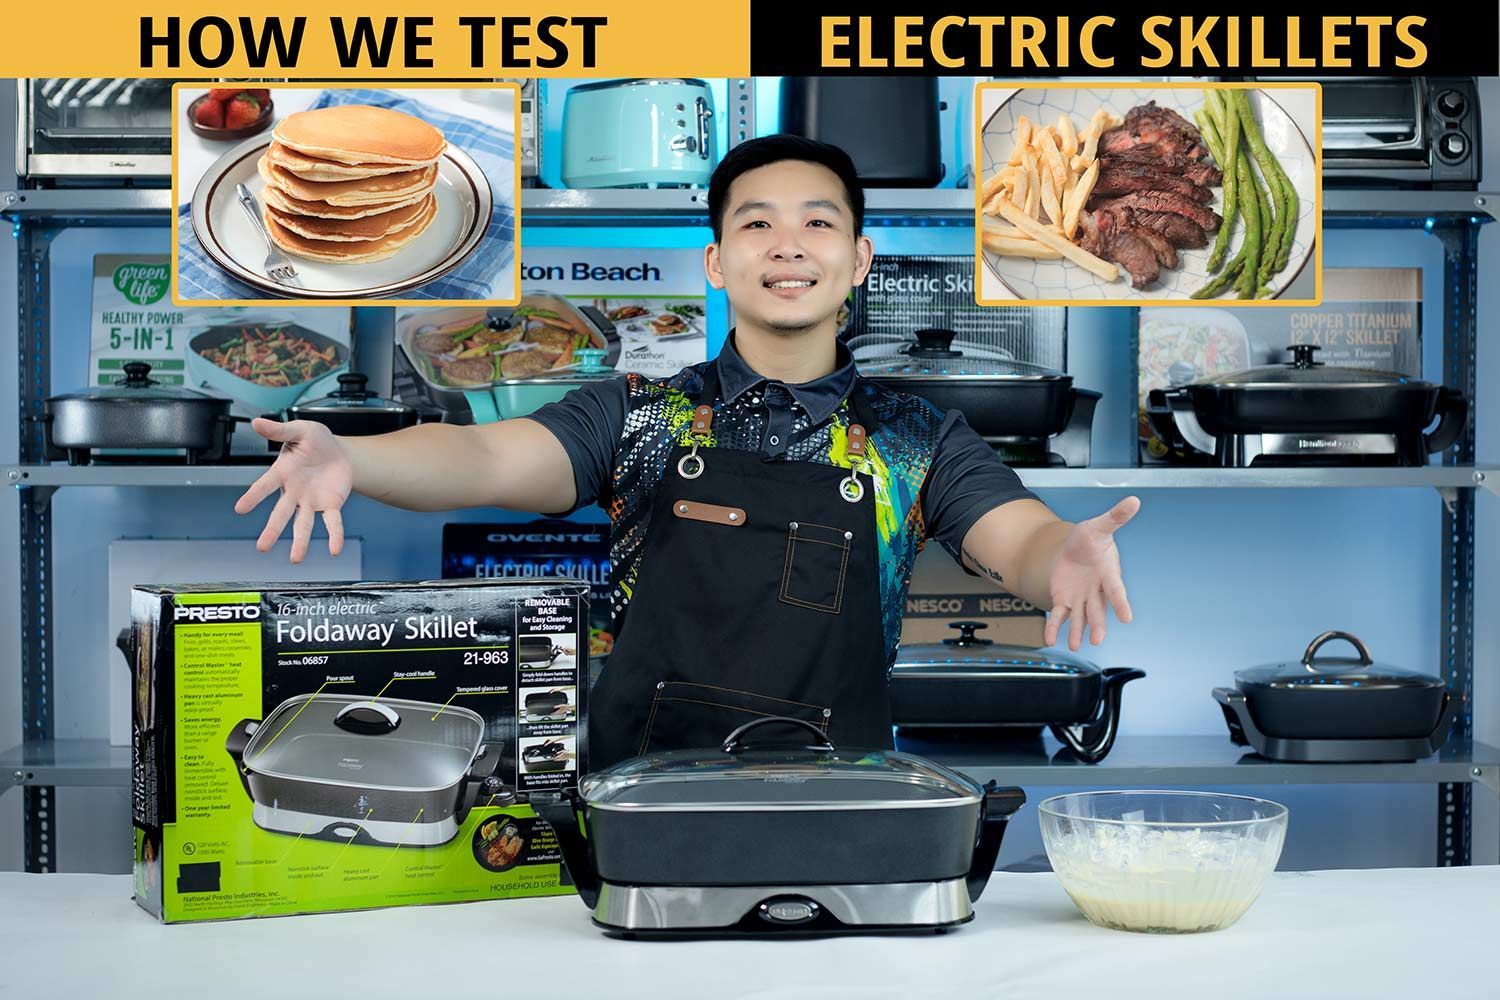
[(486, 274)]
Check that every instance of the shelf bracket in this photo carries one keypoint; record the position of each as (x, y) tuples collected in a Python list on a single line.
[(1489, 777), (1450, 497), (40, 497), (1488, 204)]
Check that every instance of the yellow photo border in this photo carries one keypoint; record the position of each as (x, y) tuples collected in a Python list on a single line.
[(178, 123), (978, 184)]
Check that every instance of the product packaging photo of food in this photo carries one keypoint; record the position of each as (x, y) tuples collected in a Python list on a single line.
[(346, 194), (1161, 193)]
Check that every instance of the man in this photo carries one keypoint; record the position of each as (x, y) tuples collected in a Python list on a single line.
[(766, 506)]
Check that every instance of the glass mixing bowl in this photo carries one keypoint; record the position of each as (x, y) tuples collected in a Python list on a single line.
[(1162, 862)]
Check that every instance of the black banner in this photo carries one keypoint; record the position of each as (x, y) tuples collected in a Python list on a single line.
[(1173, 38)]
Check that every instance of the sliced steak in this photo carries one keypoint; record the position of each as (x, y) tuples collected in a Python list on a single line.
[(1183, 234), (1163, 201), (1128, 177), (1158, 127), (1088, 235), (1161, 117), (1129, 250), (1154, 158), (1166, 254)]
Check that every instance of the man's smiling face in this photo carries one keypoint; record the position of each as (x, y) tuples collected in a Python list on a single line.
[(788, 254)]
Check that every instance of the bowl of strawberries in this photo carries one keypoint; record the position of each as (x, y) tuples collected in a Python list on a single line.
[(230, 113)]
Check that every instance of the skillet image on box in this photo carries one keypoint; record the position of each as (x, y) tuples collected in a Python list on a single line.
[(554, 705), (348, 768)]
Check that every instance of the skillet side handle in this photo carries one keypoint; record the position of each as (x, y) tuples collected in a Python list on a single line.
[(1453, 417), (235, 744), (560, 810), (1091, 741), (999, 805), (1073, 444), (125, 643)]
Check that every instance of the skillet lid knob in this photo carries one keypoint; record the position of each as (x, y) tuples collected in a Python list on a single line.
[(966, 637)]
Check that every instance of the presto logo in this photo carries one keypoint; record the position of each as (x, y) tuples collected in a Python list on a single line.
[(216, 612)]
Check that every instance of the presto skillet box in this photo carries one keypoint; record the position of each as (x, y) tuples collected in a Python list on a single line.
[(316, 746)]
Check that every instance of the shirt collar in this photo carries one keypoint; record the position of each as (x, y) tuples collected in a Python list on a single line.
[(820, 397)]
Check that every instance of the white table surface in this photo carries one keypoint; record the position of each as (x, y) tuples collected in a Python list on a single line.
[(1401, 933)]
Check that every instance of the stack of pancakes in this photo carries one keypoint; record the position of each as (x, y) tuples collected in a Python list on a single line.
[(350, 183)]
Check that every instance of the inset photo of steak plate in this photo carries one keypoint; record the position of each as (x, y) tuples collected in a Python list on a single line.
[(1160, 193)]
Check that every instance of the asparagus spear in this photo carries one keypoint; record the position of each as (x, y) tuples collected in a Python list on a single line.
[(1254, 207), (1282, 198), (1225, 129)]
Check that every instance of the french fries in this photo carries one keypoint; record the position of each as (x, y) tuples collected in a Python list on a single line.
[(1041, 191), (1022, 246), (1061, 244)]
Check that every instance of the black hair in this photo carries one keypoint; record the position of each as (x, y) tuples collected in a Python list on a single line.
[(771, 149)]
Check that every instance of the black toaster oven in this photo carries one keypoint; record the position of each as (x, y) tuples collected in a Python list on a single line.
[(1412, 132)]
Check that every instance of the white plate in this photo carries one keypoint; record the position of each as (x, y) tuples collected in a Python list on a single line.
[(1061, 279), (226, 234)]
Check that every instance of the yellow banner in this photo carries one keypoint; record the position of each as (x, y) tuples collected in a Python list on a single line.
[(374, 40)]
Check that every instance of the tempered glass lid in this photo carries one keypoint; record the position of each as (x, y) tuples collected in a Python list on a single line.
[(1303, 370), (935, 351), (356, 740), (967, 652), (777, 774), (137, 384), (1315, 671), (351, 394)]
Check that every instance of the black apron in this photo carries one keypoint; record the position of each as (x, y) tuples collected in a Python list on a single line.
[(758, 595)]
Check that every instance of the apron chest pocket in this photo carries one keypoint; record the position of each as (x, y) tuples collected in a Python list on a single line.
[(687, 714), (817, 558)]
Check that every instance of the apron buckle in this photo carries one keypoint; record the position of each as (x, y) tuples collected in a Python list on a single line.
[(690, 461), (850, 488), (703, 419)]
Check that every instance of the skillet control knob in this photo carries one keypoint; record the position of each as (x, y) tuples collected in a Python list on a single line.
[(788, 911), (1451, 104), (1453, 146)]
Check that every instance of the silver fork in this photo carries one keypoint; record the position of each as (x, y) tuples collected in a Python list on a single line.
[(278, 265)]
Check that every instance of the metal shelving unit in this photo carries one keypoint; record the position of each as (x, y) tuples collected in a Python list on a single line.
[(65, 763), (1147, 761), (1439, 477), (41, 764)]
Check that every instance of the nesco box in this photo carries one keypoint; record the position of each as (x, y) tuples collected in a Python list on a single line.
[(313, 747)]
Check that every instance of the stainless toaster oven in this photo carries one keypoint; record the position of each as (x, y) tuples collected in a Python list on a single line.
[(94, 128)]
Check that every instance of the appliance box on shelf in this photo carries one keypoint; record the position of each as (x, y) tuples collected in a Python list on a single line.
[(943, 592), (904, 293), (307, 747), (299, 353), (1371, 317)]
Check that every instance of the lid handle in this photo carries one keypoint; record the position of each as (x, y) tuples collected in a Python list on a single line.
[(136, 373), (966, 635), (367, 718), (735, 741), (352, 386), (1302, 355), (1316, 644), (934, 342)]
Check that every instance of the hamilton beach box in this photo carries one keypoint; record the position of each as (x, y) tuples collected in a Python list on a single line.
[(317, 746)]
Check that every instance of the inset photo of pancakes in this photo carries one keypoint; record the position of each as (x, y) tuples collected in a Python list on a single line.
[(359, 195)]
